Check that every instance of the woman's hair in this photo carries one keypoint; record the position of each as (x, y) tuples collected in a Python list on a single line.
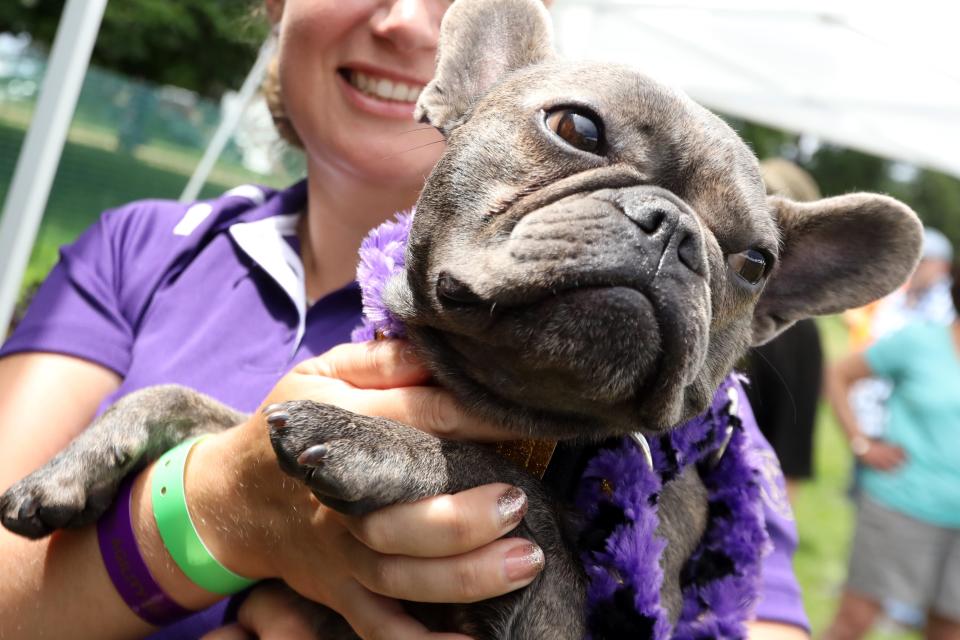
[(270, 87), (273, 93)]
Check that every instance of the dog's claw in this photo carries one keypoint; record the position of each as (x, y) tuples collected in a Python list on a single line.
[(313, 456), (278, 419), (718, 454), (641, 441), (28, 509), (270, 408)]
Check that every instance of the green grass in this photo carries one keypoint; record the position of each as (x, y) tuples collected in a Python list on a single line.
[(92, 177), (824, 513)]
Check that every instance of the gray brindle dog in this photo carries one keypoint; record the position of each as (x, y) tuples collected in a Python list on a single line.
[(590, 257)]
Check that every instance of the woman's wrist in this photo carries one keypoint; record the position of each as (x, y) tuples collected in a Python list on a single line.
[(236, 494), (159, 562), (860, 445)]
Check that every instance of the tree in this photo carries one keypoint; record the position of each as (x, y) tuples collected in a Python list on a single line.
[(207, 46), (935, 196)]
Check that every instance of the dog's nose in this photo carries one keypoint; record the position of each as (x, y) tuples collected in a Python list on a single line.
[(667, 228)]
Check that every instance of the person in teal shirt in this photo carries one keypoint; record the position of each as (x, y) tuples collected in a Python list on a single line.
[(907, 541)]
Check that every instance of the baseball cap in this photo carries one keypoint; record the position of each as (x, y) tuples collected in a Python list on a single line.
[(936, 246)]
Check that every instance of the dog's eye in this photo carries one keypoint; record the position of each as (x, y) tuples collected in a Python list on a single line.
[(580, 129), (750, 265)]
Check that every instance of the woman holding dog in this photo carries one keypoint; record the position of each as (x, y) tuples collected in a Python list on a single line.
[(203, 296)]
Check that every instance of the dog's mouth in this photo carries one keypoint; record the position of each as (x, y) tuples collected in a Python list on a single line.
[(458, 296), (595, 345), (586, 362)]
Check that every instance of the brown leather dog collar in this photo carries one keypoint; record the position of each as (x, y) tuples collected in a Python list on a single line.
[(532, 455)]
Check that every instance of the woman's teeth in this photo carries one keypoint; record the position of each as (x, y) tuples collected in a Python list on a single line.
[(383, 88)]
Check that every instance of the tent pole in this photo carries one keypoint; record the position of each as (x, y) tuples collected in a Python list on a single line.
[(229, 123), (43, 145)]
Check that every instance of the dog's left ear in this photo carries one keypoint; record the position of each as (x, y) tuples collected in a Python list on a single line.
[(480, 42), (836, 253)]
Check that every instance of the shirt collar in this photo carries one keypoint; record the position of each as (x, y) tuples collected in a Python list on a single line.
[(260, 233)]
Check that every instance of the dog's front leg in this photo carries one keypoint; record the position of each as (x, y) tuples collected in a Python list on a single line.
[(79, 483), (356, 464)]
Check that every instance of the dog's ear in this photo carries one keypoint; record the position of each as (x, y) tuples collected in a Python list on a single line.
[(480, 42), (836, 253)]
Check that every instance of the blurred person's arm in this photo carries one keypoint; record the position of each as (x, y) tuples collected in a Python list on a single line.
[(840, 380), (46, 399)]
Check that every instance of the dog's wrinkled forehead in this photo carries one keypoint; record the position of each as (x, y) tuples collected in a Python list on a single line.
[(498, 79), (655, 130)]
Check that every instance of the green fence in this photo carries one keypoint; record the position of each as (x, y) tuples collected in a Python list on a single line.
[(128, 140)]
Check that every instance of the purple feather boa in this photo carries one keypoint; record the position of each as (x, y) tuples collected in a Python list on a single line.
[(721, 580), (382, 255), (619, 492)]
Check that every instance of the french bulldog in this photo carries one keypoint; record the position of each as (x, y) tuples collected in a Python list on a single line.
[(590, 257)]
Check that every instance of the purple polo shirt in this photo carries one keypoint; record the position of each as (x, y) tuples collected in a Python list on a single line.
[(780, 597), (207, 295), (210, 295)]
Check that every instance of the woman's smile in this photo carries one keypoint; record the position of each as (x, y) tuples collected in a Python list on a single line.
[(379, 91)]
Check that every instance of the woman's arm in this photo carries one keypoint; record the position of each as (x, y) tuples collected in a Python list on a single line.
[(58, 586), (841, 377), (46, 399), (261, 523), (839, 382)]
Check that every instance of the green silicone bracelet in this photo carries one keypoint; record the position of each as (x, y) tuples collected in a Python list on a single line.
[(177, 530)]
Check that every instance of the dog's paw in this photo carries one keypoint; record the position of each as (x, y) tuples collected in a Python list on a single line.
[(48, 500), (353, 463), (72, 490)]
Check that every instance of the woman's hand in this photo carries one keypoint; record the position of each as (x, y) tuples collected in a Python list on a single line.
[(271, 612), (383, 379), (443, 549), (883, 456), (840, 378)]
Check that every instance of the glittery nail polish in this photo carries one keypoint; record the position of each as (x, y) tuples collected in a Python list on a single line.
[(512, 506), (524, 562)]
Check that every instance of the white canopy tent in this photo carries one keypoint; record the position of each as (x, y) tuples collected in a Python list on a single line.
[(879, 76)]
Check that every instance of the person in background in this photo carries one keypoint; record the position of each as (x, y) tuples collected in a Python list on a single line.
[(785, 374), (906, 547), (249, 298), (925, 298)]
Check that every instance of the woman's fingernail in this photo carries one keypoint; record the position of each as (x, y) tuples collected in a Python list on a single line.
[(524, 562), (512, 506)]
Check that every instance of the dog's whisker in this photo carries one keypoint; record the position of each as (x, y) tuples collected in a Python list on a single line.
[(783, 382), (413, 149), (428, 128)]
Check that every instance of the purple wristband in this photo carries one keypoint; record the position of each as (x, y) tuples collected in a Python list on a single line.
[(128, 571)]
